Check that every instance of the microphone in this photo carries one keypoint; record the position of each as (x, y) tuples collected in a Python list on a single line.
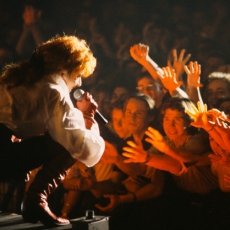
[(78, 95)]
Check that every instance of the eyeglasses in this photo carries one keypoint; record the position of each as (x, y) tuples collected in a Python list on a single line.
[(148, 88)]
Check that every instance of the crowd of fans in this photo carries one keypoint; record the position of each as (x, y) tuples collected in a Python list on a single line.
[(163, 82)]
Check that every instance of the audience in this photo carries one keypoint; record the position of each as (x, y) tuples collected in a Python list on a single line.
[(142, 182), (144, 47)]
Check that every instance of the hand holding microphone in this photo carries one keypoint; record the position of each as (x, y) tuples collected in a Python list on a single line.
[(88, 108)]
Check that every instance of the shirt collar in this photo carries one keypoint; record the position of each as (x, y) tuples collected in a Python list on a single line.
[(60, 81)]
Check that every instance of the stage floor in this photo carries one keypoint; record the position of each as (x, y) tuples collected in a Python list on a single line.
[(15, 221)]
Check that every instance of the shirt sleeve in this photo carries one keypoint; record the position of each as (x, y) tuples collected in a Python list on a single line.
[(66, 126)]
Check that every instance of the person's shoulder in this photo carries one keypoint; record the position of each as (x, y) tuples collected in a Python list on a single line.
[(198, 144), (199, 137)]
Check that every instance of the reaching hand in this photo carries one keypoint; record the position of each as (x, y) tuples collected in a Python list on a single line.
[(193, 74), (114, 202), (156, 139), (139, 53), (134, 152), (200, 116), (169, 80), (213, 121), (178, 62)]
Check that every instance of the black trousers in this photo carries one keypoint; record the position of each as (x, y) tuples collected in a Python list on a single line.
[(19, 158)]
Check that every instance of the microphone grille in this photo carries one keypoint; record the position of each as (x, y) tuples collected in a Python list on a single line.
[(78, 94)]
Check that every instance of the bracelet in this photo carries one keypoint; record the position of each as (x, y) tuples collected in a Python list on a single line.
[(147, 159), (134, 196)]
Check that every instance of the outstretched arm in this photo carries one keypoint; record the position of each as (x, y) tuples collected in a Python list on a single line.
[(186, 156), (112, 156), (193, 71), (170, 82), (136, 153), (213, 121), (31, 17), (178, 63), (140, 53)]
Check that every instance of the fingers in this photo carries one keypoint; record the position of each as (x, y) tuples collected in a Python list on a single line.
[(194, 108), (194, 68), (169, 64), (189, 113), (128, 150), (214, 157), (181, 56), (186, 69), (169, 72), (187, 58), (197, 68), (174, 53), (131, 143), (153, 134), (139, 49), (191, 67), (200, 106)]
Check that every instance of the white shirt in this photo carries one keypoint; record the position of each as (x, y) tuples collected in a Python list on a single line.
[(31, 111)]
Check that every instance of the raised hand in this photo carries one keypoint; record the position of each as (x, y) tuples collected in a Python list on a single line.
[(156, 139), (178, 63), (200, 116), (169, 80), (139, 53), (31, 15), (193, 74), (134, 152)]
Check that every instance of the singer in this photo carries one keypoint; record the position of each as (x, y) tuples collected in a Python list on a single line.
[(35, 106)]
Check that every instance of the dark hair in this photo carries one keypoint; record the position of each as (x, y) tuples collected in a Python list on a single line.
[(150, 103), (146, 74), (119, 104), (179, 104)]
